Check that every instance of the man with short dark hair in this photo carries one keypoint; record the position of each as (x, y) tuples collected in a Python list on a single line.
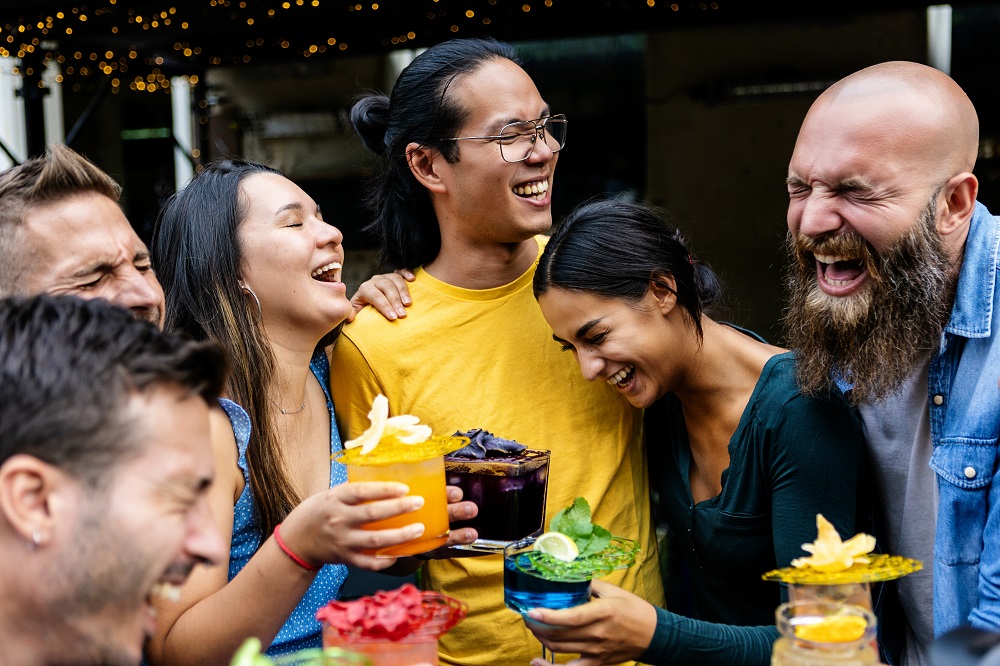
[(62, 232), (894, 294), (104, 469)]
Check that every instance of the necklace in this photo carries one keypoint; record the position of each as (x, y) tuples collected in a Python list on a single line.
[(288, 411)]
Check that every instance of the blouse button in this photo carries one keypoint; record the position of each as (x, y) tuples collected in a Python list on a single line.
[(970, 472), (938, 400)]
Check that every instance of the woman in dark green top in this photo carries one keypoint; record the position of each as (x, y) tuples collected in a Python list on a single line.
[(744, 460)]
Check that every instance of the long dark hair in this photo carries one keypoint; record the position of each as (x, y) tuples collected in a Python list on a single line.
[(616, 248), (197, 255), (420, 110)]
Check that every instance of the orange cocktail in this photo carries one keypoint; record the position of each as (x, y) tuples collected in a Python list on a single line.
[(419, 466)]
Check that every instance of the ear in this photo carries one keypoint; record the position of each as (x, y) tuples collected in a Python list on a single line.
[(424, 163), (28, 488), (958, 204), (663, 289)]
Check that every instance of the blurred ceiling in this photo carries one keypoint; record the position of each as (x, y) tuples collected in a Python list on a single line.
[(126, 40)]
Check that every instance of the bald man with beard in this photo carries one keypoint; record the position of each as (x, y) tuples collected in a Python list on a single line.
[(893, 295)]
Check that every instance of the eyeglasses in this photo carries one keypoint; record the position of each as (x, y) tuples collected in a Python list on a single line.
[(517, 140)]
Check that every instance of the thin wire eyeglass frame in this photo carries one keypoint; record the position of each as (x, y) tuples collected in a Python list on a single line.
[(539, 128)]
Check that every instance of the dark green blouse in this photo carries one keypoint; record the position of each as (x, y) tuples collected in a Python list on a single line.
[(791, 457)]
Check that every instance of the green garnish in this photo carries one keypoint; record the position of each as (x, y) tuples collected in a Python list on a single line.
[(574, 522)]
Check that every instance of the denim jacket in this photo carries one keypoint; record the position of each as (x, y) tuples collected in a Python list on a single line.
[(964, 404)]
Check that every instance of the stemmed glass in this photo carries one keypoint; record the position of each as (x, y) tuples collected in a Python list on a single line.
[(526, 585), (532, 579)]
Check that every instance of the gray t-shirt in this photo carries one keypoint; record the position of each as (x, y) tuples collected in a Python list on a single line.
[(899, 440)]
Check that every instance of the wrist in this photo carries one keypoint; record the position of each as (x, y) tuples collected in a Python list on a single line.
[(290, 553)]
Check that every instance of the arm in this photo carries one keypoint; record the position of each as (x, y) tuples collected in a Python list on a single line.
[(817, 459), (986, 614), (214, 615), (387, 293), (619, 626)]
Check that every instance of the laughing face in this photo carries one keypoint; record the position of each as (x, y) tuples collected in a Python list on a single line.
[(140, 535), (292, 259), (491, 200), (621, 343), (871, 284)]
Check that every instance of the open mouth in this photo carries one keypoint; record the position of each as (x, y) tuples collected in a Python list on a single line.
[(534, 189), (623, 377), (838, 270), (328, 273)]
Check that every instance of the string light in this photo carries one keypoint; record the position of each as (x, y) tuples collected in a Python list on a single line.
[(286, 29)]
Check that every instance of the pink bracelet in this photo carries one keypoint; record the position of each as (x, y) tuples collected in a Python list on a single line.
[(288, 551)]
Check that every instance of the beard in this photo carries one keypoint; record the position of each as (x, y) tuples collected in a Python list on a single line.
[(875, 338)]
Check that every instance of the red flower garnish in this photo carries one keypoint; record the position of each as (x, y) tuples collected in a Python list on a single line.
[(393, 615)]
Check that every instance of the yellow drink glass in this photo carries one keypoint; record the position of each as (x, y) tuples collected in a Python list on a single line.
[(419, 466)]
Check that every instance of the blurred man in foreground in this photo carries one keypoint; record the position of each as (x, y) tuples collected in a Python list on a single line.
[(104, 468)]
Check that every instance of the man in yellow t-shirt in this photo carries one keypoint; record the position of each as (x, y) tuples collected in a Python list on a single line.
[(469, 150)]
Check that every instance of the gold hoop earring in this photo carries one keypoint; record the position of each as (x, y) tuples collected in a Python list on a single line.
[(260, 314)]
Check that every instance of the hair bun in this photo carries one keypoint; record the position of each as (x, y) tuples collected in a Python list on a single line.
[(370, 119)]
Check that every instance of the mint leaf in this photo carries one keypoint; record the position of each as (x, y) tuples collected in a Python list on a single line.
[(598, 541), (574, 521)]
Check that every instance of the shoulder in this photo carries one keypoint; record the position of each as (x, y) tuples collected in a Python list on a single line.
[(784, 410)]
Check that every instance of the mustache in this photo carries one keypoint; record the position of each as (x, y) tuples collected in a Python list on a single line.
[(849, 244)]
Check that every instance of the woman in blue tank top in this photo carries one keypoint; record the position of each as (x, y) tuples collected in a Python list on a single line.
[(246, 259)]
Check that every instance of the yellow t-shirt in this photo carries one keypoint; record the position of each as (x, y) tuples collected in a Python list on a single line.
[(464, 359)]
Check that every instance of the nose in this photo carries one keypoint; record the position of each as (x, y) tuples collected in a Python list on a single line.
[(540, 150), (815, 215), (203, 541), (139, 291), (327, 234), (591, 364)]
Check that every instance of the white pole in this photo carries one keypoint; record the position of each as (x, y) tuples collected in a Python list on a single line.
[(939, 37), (183, 127), (11, 113)]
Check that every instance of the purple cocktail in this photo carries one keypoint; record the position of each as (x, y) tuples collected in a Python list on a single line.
[(508, 487)]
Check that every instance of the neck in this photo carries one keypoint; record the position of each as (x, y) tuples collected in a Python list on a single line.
[(723, 373), (23, 639), (469, 264), (291, 374)]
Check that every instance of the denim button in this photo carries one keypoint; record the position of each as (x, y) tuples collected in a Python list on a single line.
[(970, 472), (938, 400)]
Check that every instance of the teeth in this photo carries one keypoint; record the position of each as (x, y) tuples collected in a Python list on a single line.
[(618, 377), (836, 283), (332, 266), (830, 258), (167, 591), (532, 189)]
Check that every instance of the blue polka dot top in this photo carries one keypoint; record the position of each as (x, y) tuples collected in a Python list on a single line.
[(301, 630)]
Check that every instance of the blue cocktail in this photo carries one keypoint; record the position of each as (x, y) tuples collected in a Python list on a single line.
[(532, 579)]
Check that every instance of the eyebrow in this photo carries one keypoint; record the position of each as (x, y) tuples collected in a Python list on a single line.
[(546, 111), (289, 206), (580, 332)]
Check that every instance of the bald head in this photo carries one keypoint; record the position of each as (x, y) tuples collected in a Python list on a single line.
[(914, 103)]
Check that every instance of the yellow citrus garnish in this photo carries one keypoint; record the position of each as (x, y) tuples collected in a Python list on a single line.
[(392, 452), (558, 545), (835, 629), (404, 429), (829, 553)]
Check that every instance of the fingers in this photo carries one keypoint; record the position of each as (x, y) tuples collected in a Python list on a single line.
[(358, 492), (454, 494), (462, 511), (407, 274), (387, 293), (462, 537)]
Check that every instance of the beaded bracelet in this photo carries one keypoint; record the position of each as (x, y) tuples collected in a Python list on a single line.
[(288, 551)]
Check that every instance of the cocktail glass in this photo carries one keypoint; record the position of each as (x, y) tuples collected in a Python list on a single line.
[(510, 492), (362, 626), (848, 644), (419, 466), (529, 581)]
